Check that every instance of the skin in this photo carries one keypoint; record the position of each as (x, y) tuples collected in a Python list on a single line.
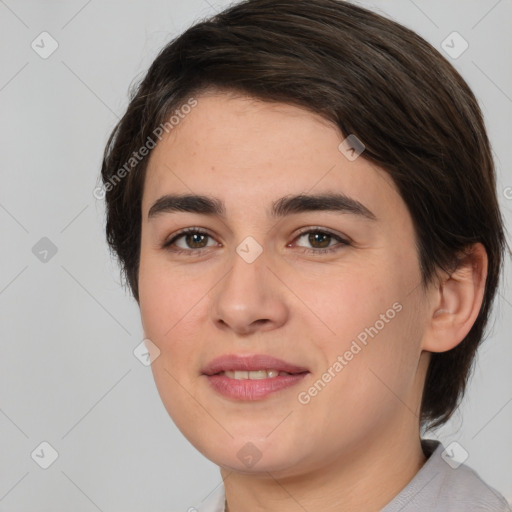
[(356, 444)]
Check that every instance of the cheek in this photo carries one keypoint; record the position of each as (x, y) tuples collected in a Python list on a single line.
[(173, 309), (375, 328), (349, 300), (168, 299), (371, 383), (176, 393), (170, 309)]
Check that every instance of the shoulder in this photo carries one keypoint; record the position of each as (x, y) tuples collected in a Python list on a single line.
[(444, 485), (464, 486)]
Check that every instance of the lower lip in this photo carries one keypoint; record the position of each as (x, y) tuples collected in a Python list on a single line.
[(249, 389)]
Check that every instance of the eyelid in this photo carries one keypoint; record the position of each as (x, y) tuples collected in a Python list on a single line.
[(321, 229), (342, 240), (185, 231)]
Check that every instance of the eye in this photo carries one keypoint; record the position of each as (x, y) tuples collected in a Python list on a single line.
[(194, 240), (321, 240)]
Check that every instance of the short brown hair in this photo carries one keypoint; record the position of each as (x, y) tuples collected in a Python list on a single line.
[(374, 78)]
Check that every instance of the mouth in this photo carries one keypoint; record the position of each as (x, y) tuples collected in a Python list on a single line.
[(254, 374), (251, 377)]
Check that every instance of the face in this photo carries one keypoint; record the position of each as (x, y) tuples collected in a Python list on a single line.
[(289, 330)]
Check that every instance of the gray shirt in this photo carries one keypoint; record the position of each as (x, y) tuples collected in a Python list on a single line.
[(436, 487)]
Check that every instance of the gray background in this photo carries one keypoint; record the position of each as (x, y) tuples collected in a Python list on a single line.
[(68, 375)]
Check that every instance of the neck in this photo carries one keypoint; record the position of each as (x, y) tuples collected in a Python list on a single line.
[(367, 478)]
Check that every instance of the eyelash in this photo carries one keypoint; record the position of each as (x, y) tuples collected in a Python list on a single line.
[(199, 231)]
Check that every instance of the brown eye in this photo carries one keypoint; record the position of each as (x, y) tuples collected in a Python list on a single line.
[(190, 240), (321, 241), (195, 240)]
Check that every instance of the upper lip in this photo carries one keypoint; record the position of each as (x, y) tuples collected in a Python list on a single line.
[(234, 362)]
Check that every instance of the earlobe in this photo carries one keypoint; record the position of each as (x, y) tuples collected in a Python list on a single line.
[(457, 301)]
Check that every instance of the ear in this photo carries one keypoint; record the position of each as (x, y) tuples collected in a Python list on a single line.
[(456, 301)]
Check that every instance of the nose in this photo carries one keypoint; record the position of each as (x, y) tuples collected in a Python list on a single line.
[(249, 298)]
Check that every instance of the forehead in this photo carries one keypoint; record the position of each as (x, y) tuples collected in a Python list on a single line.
[(239, 148)]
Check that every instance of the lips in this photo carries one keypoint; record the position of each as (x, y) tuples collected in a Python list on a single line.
[(251, 377), (250, 363)]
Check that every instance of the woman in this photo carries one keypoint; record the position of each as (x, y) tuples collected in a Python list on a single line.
[(302, 197)]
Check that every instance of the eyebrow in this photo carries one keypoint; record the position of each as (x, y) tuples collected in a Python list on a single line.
[(288, 205)]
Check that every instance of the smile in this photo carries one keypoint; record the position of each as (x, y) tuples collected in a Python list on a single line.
[(254, 375), (251, 377)]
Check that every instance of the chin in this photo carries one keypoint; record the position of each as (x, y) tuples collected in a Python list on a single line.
[(251, 455)]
